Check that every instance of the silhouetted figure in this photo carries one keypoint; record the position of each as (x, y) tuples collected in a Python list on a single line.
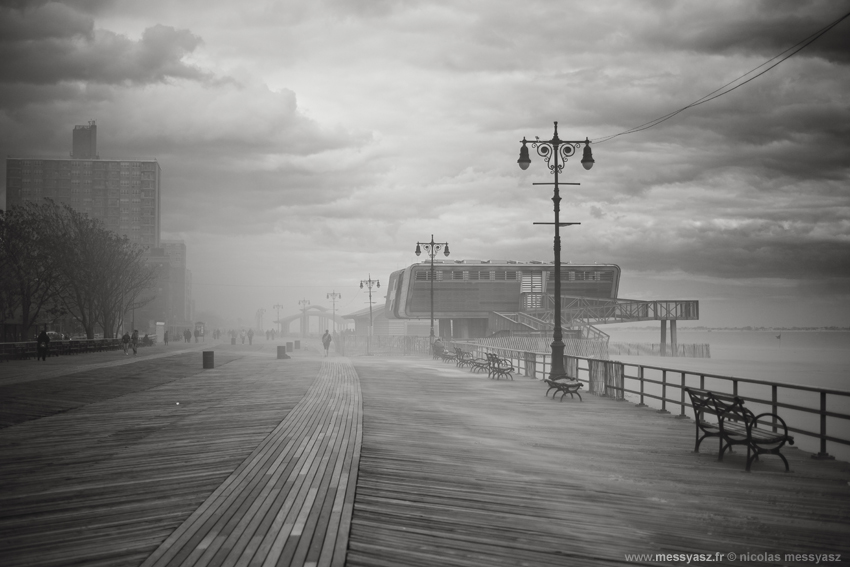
[(250, 336), (326, 341), (165, 338), (43, 345), (134, 340)]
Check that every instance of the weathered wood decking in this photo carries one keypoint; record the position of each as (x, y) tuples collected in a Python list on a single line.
[(290, 502), (454, 469)]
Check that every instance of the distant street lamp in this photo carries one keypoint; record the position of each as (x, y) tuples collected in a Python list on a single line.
[(304, 321), (432, 249), (279, 327), (369, 283), (333, 296), (549, 149)]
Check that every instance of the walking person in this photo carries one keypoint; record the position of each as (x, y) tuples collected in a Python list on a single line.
[(125, 340), (242, 335), (165, 338), (250, 336), (134, 341), (43, 345), (326, 341)]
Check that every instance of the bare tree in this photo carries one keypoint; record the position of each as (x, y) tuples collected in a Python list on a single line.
[(28, 276), (128, 283)]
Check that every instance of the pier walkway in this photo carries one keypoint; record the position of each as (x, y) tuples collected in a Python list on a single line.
[(372, 461)]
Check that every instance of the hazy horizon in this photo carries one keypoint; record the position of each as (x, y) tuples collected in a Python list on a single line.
[(306, 146)]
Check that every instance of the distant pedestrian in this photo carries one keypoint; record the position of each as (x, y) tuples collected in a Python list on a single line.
[(250, 336), (134, 341), (125, 340), (43, 345), (326, 341), (242, 335), (197, 334), (165, 338)]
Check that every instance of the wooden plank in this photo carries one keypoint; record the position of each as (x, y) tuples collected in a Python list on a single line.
[(108, 481), (274, 506), (459, 470)]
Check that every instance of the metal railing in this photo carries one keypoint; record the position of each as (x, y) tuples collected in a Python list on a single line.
[(667, 387)]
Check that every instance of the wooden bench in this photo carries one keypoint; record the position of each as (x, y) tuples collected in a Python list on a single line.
[(499, 367), (565, 385), (463, 359), (737, 425)]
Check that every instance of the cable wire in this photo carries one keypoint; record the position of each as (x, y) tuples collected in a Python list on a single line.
[(796, 48)]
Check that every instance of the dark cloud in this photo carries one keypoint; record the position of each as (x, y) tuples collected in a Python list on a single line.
[(52, 43), (765, 28)]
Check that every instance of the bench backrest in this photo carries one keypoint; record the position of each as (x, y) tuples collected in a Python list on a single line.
[(725, 407)]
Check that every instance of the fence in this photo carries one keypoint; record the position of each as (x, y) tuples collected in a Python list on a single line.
[(28, 349), (822, 415)]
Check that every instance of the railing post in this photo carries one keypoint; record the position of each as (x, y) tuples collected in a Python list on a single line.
[(640, 377), (663, 392), (774, 407), (822, 454), (682, 398)]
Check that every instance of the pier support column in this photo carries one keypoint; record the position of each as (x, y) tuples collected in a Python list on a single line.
[(664, 337), (673, 342)]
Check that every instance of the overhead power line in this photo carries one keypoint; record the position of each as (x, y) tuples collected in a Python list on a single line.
[(728, 88)]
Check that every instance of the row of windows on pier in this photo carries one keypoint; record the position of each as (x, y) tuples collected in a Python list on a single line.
[(508, 275)]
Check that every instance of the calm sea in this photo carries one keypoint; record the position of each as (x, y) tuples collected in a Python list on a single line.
[(819, 359)]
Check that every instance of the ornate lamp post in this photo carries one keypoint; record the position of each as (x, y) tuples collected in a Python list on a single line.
[(333, 296), (304, 321), (369, 283), (432, 249), (279, 327), (560, 150)]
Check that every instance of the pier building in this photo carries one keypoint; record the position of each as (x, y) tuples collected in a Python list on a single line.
[(480, 298)]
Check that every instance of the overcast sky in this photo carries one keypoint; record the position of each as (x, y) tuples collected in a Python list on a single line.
[(306, 145)]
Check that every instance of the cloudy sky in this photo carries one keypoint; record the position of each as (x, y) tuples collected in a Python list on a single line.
[(306, 145)]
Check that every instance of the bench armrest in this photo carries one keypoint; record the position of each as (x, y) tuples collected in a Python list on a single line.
[(780, 423)]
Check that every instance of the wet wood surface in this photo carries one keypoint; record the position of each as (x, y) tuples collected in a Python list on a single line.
[(460, 470), (257, 463)]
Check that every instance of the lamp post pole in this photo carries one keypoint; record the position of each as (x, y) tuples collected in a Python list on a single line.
[(333, 296), (304, 321), (432, 249), (369, 283), (279, 328), (553, 150)]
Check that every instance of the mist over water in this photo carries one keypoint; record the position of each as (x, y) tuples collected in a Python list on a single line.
[(819, 359)]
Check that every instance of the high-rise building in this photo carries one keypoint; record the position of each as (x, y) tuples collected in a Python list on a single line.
[(84, 143), (122, 193)]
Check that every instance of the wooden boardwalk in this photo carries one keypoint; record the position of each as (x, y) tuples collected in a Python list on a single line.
[(460, 470), (258, 465), (290, 502), (110, 476)]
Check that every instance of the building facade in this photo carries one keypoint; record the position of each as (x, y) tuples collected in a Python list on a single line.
[(124, 194)]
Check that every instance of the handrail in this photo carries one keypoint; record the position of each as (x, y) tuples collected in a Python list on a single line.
[(536, 364)]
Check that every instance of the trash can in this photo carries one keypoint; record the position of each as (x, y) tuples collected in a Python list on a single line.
[(297, 345), (288, 347), (281, 352), (209, 359)]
